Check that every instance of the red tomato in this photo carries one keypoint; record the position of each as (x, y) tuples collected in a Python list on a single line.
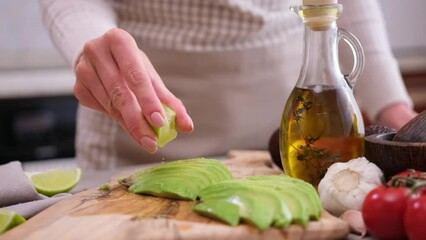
[(415, 217), (407, 178), (383, 212), (411, 173)]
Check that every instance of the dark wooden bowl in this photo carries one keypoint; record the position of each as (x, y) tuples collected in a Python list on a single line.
[(393, 157)]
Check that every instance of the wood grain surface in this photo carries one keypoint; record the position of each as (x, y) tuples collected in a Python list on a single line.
[(118, 214)]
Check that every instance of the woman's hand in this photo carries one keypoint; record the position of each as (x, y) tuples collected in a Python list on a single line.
[(396, 115), (115, 77)]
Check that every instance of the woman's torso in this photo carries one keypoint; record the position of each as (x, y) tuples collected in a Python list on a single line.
[(232, 63)]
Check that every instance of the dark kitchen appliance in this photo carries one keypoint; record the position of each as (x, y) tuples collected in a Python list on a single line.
[(37, 128)]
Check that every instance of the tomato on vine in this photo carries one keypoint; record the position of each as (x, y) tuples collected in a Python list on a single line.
[(407, 178), (415, 214), (383, 212), (411, 173)]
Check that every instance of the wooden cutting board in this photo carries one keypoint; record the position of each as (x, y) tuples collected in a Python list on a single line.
[(118, 214)]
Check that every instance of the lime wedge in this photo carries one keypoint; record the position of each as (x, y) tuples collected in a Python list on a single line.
[(9, 219), (167, 132), (56, 181)]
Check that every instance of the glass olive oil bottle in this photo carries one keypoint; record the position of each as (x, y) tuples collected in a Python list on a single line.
[(321, 123)]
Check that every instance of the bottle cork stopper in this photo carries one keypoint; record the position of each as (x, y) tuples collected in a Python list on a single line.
[(319, 2), (318, 15)]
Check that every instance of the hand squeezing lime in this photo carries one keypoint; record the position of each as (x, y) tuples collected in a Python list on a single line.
[(167, 132), (55, 181)]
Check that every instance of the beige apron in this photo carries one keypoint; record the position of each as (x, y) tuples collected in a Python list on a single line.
[(235, 98)]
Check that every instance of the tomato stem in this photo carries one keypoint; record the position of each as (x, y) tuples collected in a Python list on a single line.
[(418, 185), (402, 181)]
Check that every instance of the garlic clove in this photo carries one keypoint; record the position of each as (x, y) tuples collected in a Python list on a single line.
[(356, 222)]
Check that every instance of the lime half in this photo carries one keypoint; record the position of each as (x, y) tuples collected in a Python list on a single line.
[(167, 132), (56, 181), (9, 219)]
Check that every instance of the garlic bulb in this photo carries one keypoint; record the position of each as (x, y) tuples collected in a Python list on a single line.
[(345, 185)]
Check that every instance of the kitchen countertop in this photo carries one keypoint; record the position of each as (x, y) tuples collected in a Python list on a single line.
[(44, 82)]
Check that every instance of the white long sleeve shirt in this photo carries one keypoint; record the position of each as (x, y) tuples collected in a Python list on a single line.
[(233, 64)]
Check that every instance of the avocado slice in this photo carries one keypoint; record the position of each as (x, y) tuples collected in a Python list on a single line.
[(252, 210), (307, 191), (216, 168), (295, 202), (220, 210), (177, 183), (266, 201), (269, 208), (169, 187), (216, 172), (181, 179)]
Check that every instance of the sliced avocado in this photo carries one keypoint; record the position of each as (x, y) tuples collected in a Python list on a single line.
[(214, 172), (214, 166), (251, 210), (262, 201), (211, 164), (298, 196), (187, 172), (181, 179), (295, 203), (220, 210), (282, 214), (315, 208), (306, 190), (168, 186), (311, 193), (242, 193), (202, 175)]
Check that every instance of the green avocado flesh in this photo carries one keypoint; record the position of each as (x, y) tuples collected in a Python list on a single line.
[(180, 179), (220, 210), (167, 132), (264, 201), (261, 201)]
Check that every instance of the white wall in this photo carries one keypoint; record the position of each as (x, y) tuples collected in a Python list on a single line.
[(406, 20), (24, 42)]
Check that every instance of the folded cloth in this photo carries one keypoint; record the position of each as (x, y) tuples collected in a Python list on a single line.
[(29, 209), (18, 194)]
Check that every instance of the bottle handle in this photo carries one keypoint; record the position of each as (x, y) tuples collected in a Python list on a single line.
[(358, 54)]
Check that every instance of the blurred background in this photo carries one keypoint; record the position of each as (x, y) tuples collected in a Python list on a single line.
[(37, 108)]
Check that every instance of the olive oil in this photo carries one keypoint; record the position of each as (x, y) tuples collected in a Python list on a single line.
[(321, 122), (319, 127)]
